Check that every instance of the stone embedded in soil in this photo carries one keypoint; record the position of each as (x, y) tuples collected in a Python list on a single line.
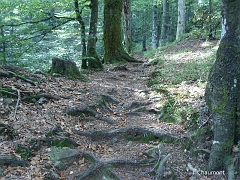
[(62, 157)]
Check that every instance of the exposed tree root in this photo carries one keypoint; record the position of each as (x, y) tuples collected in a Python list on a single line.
[(101, 169), (13, 161), (134, 132), (88, 113)]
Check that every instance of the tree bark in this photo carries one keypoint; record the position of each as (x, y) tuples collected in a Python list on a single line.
[(165, 21), (223, 91), (155, 25), (223, 32), (181, 18), (92, 56), (112, 33), (3, 49), (127, 24), (144, 43), (83, 31)]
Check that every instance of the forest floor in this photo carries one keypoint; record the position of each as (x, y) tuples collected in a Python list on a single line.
[(116, 118)]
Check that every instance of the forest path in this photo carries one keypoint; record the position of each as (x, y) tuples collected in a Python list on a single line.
[(121, 101), (122, 110)]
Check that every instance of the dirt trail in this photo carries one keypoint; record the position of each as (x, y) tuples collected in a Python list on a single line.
[(121, 103)]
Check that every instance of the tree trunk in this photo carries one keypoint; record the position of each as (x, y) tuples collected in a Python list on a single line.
[(155, 25), (144, 43), (223, 91), (181, 18), (210, 20), (165, 21), (3, 49), (92, 57), (127, 24), (83, 32), (112, 33), (223, 32)]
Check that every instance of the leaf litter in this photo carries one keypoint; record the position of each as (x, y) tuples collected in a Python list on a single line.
[(138, 106)]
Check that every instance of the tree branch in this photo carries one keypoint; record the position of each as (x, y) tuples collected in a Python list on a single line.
[(38, 21)]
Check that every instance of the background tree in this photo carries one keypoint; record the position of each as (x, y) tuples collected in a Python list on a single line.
[(155, 25), (165, 21), (127, 25), (223, 90), (92, 56), (113, 47), (141, 24), (83, 32), (181, 18), (34, 32)]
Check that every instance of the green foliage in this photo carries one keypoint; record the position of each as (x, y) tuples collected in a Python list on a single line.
[(24, 152), (204, 23), (178, 73), (7, 92), (35, 144), (60, 143)]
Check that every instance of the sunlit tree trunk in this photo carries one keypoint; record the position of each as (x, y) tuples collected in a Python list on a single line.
[(165, 21), (155, 25), (223, 32), (112, 33), (181, 18), (223, 91), (83, 31), (92, 57), (127, 25)]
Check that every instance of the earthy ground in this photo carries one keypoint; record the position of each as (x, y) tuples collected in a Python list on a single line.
[(135, 105)]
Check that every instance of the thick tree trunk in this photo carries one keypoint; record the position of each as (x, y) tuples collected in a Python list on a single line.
[(165, 21), (112, 33), (181, 18), (155, 25), (127, 24), (223, 91), (92, 56)]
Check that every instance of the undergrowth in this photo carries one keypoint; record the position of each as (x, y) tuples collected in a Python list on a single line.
[(180, 77)]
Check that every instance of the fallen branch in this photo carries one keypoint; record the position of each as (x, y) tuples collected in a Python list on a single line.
[(161, 167), (22, 78), (159, 158), (194, 170), (203, 150)]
